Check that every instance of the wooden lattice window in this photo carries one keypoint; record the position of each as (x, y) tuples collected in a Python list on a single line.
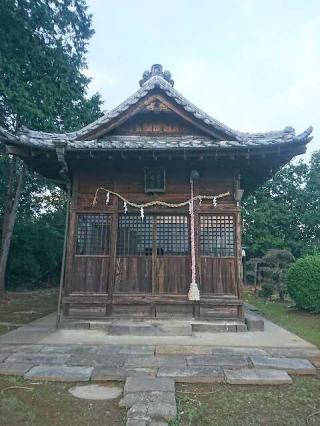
[(134, 235), (217, 235), (173, 235), (154, 179), (93, 234), (168, 234)]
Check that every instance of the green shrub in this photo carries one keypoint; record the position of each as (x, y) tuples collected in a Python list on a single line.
[(266, 290), (303, 281)]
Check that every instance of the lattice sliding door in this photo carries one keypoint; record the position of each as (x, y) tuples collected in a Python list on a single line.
[(91, 263), (135, 238), (217, 254), (153, 254), (172, 264)]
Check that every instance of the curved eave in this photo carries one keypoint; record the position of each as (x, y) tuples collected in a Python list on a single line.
[(134, 143)]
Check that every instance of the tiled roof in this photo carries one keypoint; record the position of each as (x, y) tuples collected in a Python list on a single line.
[(109, 142), (154, 79)]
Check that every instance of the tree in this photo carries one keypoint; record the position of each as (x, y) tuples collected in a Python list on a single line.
[(254, 270), (275, 270), (285, 212), (42, 85)]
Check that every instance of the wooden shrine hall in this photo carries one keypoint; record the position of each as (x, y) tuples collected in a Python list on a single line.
[(155, 186)]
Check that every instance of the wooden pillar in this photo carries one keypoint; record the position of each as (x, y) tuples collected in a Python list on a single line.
[(70, 249)]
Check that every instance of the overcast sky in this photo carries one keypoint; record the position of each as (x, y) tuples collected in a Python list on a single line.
[(252, 64)]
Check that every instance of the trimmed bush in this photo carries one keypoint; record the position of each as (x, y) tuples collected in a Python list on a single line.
[(303, 281), (266, 290)]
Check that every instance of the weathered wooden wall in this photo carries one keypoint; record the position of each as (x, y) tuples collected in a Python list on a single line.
[(161, 276)]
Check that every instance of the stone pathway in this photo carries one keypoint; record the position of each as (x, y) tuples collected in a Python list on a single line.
[(150, 372), (194, 364), (151, 401)]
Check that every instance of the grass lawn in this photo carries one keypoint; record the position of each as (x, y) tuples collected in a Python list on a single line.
[(304, 324), (225, 405), (27, 403), (18, 308)]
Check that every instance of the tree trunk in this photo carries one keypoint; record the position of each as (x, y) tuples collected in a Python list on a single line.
[(9, 196), (9, 221), (255, 278)]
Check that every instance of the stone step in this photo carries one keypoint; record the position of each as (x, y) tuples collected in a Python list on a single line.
[(134, 328), (151, 401), (256, 376), (59, 373), (120, 327), (254, 322), (295, 366), (221, 326)]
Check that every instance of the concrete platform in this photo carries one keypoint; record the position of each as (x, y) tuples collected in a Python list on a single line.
[(43, 332)]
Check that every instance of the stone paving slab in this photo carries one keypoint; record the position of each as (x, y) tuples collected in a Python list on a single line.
[(14, 368), (156, 361), (161, 411), (237, 351), (204, 374), (138, 411), (59, 373), (137, 350), (4, 355), (295, 366), (316, 362), (144, 421), (69, 349), (230, 361), (126, 349), (150, 400), (96, 360), (312, 354), (146, 384), (182, 350), (39, 358), (120, 374), (143, 397), (11, 347), (257, 377)]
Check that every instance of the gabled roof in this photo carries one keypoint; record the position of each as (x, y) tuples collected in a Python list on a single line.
[(95, 135), (157, 81)]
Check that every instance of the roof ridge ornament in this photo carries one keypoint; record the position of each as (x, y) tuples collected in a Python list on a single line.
[(156, 70)]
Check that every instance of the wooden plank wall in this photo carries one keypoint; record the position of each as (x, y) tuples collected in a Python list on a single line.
[(104, 274)]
